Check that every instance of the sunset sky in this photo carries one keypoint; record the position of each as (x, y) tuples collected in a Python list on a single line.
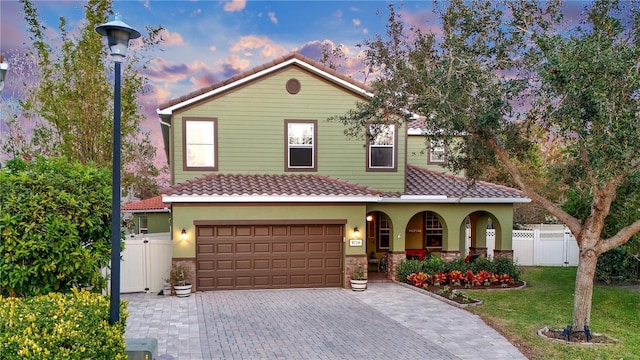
[(208, 41)]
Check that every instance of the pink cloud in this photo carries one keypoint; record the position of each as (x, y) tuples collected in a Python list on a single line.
[(251, 42), (172, 39), (235, 5)]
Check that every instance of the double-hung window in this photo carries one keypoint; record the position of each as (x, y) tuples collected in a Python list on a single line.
[(437, 152), (200, 144), (301, 145), (382, 147)]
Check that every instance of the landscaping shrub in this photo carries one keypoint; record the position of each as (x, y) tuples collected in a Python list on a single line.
[(482, 263), (55, 226), (616, 265), (457, 264), (505, 265), (60, 326), (432, 265), (408, 267)]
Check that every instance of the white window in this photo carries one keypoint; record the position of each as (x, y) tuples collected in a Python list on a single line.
[(301, 143), (200, 144), (384, 232), (437, 152), (142, 225), (382, 139)]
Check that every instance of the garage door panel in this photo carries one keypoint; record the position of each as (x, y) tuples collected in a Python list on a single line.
[(243, 248), (261, 247), (224, 265), (243, 230), (269, 256), (298, 247), (224, 248), (280, 247), (223, 231)]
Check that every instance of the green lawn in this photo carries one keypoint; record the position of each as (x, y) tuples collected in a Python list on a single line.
[(547, 300)]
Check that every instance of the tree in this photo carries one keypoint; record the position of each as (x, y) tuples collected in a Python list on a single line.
[(55, 226), (72, 102), (496, 76)]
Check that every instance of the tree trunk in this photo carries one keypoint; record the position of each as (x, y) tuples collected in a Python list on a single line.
[(584, 288)]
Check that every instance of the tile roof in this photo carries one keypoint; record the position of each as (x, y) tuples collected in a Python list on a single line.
[(271, 185), (425, 182), (420, 182), (153, 204), (260, 68)]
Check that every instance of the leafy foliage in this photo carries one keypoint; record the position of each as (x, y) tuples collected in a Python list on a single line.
[(617, 265), (60, 326), (55, 226), (439, 270), (71, 105)]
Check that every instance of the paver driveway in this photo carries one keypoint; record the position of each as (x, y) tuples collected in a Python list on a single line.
[(386, 321)]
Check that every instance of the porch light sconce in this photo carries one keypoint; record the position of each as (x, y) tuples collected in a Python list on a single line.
[(356, 232), (183, 234)]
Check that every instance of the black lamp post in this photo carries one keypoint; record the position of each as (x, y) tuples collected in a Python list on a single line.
[(118, 33)]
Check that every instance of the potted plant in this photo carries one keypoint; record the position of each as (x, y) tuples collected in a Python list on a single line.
[(358, 278), (180, 278)]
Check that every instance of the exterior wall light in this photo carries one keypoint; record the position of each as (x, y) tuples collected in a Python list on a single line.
[(369, 218), (183, 234), (356, 232)]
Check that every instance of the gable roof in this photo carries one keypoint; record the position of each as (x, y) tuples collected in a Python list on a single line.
[(153, 204), (423, 186), (263, 70)]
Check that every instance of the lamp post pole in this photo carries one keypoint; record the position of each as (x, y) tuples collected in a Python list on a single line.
[(118, 34)]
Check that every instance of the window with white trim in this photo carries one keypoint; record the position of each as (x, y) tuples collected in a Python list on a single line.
[(384, 232), (437, 152), (301, 145), (382, 151), (200, 149)]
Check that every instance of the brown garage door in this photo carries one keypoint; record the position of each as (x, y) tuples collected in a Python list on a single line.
[(268, 256)]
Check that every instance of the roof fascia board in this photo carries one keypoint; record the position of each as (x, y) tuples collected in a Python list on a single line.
[(169, 110), (165, 210), (267, 198), (456, 200)]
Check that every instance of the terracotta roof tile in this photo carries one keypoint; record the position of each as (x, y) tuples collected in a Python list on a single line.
[(427, 182), (273, 185), (151, 204), (259, 68)]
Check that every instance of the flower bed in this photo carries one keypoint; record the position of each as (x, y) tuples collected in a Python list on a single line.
[(448, 285)]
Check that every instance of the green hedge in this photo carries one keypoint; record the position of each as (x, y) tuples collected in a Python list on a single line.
[(60, 326)]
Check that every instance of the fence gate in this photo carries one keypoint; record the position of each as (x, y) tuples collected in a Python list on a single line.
[(146, 261)]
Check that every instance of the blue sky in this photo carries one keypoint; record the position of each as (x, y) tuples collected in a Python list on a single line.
[(208, 41)]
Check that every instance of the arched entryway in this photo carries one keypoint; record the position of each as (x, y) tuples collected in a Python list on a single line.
[(378, 242), (425, 235), (476, 225)]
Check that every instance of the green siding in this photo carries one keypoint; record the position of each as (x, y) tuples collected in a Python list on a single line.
[(156, 222), (185, 215), (251, 130)]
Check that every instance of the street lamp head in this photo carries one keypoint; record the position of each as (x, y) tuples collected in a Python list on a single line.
[(118, 33), (4, 66)]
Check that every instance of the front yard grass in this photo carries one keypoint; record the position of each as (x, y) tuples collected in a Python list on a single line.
[(547, 300)]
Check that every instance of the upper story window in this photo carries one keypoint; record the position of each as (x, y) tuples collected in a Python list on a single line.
[(301, 145), (382, 150), (200, 144), (437, 152)]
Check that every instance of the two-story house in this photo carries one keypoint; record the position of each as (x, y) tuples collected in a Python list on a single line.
[(269, 194)]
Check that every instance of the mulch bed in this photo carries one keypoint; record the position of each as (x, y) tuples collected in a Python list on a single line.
[(577, 337), (461, 300)]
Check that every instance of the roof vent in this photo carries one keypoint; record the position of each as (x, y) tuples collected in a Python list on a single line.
[(293, 86)]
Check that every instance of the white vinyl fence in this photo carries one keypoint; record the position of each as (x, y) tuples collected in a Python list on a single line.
[(539, 247), (146, 261)]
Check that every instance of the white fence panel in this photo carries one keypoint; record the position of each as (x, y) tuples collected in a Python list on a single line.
[(542, 246), (146, 261), (132, 267)]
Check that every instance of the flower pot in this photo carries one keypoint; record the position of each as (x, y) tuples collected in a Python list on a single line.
[(358, 285), (166, 290), (182, 290)]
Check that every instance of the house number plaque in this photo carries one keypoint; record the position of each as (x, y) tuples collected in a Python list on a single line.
[(355, 242)]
